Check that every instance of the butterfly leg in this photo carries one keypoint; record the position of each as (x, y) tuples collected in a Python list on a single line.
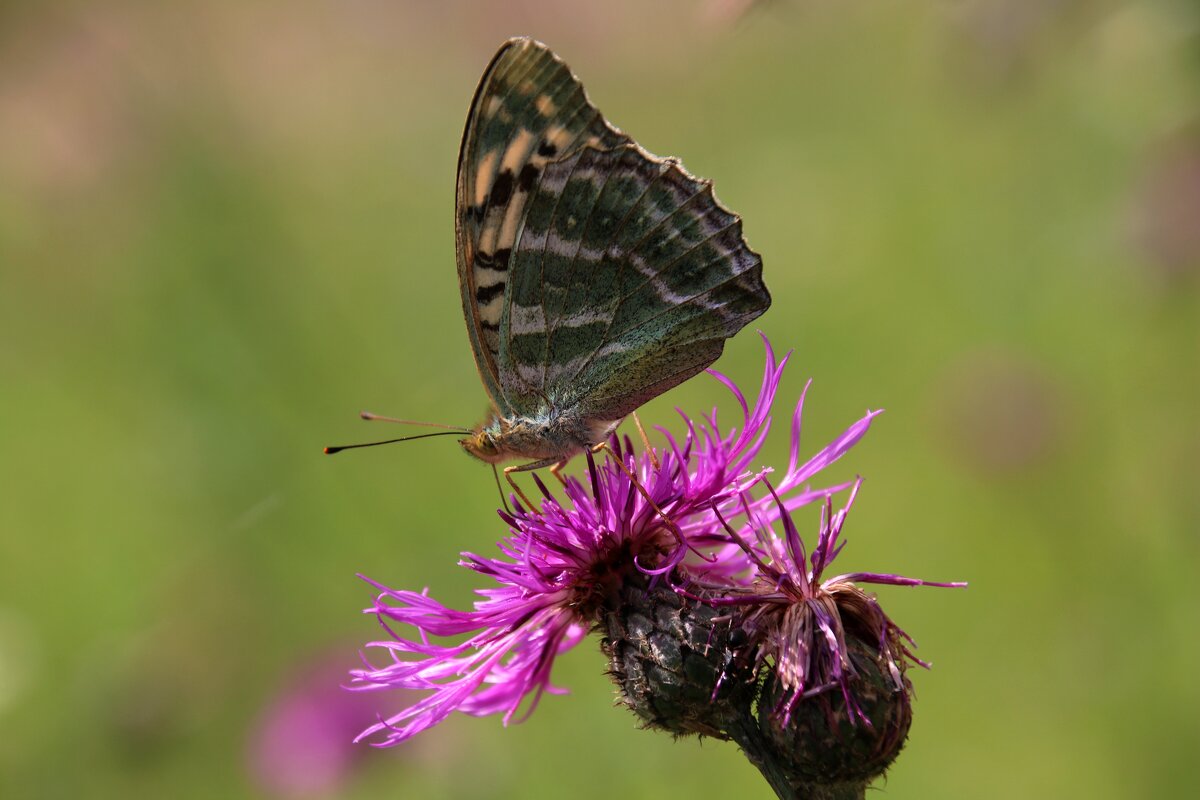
[(508, 471), (616, 459), (500, 489), (645, 440), (556, 471)]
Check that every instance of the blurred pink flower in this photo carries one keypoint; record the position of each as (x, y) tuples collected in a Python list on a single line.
[(997, 412), (302, 744), (1166, 214)]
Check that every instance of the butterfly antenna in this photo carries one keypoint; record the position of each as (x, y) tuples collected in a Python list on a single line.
[(372, 417), (331, 450)]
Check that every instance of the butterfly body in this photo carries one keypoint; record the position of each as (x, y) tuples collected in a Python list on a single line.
[(550, 437), (594, 275)]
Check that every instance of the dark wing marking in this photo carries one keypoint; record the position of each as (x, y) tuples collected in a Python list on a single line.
[(626, 280), (528, 111)]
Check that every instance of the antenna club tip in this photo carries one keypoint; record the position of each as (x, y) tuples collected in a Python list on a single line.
[(365, 415), (330, 450)]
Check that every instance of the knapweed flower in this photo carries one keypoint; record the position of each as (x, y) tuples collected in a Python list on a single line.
[(667, 553), (834, 703)]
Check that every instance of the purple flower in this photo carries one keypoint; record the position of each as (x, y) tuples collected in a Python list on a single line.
[(562, 566), (800, 619)]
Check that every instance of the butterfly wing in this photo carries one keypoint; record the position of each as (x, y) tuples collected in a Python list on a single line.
[(627, 277), (528, 111)]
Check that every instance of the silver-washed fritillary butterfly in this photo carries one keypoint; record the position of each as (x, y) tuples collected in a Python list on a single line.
[(594, 275)]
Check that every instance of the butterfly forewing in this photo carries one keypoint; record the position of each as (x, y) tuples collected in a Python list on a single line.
[(528, 111), (626, 280)]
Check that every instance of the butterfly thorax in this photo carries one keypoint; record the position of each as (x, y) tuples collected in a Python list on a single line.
[(548, 436)]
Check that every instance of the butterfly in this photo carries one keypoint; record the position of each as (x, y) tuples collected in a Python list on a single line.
[(595, 276)]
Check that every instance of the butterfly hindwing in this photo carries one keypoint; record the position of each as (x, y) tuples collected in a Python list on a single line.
[(626, 280), (528, 111)]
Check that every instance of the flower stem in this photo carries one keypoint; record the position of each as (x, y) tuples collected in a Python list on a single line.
[(783, 780)]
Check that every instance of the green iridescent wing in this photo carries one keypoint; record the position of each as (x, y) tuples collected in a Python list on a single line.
[(626, 279), (528, 111)]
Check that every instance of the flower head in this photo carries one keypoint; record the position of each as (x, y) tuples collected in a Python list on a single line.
[(645, 549)]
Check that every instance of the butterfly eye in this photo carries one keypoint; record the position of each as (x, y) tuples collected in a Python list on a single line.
[(481, 444)]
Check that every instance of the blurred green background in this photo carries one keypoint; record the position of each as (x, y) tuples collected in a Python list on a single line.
[(227, 227)]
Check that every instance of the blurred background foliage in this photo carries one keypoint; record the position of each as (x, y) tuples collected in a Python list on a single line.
[(226, 227)]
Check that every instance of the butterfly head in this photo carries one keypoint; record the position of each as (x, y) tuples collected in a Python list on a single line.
[(484, 444)]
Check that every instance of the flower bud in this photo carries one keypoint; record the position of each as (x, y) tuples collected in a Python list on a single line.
[(837, 736)]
